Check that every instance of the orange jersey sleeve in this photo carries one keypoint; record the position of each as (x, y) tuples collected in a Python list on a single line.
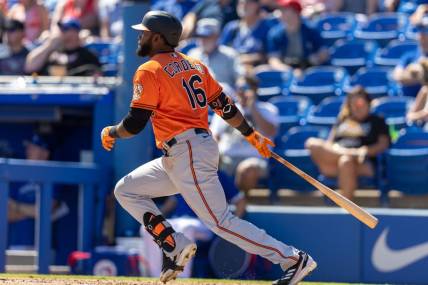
[(212, 87), (146, 89)]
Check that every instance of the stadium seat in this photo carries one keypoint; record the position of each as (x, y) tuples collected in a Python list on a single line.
[(272, 82), (318, 83), (392, 53), (393, 109), (407, 163), (326, 112), (108, 54), (292, 109), (335, 26), (375, 80), (292, 148), (353, 54), (381, 27)]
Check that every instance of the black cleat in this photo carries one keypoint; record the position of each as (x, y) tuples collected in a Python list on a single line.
[(298, 271)]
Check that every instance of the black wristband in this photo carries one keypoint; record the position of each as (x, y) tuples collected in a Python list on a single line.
[(245, 128), (113, 132)]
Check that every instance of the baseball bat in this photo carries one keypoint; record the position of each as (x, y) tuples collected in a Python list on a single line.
[(352, 208)]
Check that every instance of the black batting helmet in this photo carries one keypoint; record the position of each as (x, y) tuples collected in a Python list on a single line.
[(163, 23)]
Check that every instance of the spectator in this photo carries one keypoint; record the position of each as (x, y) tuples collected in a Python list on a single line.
[(85, 11), (354, 142), (34, 15), (110, 12), (367, 7), (222, 10), (21, 208), (13, 62), (237, 157), (221, 60), (183, 219), (178, 8), (404, 75), (292, 42), (63, 55), (418, 113), (248, 35)]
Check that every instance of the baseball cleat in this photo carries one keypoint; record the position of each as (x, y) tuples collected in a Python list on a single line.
[(171, 267), (298, 271)]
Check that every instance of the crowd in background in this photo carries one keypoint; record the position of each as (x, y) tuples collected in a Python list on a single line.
[(235, 39)]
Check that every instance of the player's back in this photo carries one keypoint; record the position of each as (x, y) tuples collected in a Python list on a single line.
[(178, 89)]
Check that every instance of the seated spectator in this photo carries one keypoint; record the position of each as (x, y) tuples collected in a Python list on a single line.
[(248, 35), (292, 42), (34, 15), (110, 12), (237, 157), (367, 7), (63, 55), (184, 220), (354, 142), (402, 74), (222, 10), (221, 60), (85, 11), (418, 113), (21, 205), (12, 62)]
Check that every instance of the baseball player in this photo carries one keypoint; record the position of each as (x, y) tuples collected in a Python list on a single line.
[(174, 91)]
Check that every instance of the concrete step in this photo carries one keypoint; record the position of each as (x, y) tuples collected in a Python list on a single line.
[(25, 261)]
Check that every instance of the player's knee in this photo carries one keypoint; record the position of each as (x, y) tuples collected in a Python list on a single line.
[(119, 189)]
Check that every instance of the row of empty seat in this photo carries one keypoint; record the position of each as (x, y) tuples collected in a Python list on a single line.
[(321, 82)]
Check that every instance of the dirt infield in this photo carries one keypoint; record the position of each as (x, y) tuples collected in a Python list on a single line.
[(82, 280), (30, 279)]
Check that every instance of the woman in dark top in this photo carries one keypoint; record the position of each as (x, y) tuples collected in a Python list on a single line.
[(353, 143)]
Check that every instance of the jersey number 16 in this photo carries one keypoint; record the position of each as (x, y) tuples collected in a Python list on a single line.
[(196, 95)]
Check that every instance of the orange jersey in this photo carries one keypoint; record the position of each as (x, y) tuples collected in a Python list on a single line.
[(177, 88)]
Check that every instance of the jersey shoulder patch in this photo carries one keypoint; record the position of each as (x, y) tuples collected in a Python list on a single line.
[(138, 91)]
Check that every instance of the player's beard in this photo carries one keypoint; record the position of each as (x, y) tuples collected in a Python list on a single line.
[(144, 49)]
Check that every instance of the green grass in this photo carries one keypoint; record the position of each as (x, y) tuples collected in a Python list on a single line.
[(211, 281)]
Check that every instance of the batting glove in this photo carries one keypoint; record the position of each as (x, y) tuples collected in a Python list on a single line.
[(106, 140), (261, 143)]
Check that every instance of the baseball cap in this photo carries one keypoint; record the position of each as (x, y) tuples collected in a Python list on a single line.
[(38, 140), (13, 25), (207, 27), (163, 23), (70, 24), (293, 4)]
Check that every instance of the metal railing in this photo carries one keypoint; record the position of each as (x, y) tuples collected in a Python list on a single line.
[(90, 178)]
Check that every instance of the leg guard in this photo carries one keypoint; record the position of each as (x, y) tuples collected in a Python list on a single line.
[(160, 230)]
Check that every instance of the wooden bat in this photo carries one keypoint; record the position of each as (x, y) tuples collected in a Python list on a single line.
[(343, 202)]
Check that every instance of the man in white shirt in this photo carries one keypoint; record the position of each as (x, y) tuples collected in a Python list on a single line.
[(221, 60), (237, 156)]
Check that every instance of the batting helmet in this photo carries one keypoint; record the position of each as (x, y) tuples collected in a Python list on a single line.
[(163, 23)]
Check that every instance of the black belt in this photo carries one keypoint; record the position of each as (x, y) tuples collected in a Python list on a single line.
[(173, 141)]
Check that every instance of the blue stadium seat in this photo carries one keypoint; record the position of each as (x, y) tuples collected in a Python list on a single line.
[(187, 45), (108, 54), (381, 27), (375, 80), (319, 82), (393, 109), (292, 148), (407, 163), (353, 54), (292, 109), (411, 32), (326, 112), (272, 82), (392, 53), (335, 26)]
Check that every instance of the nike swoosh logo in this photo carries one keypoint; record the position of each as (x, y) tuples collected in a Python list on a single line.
[(385, 259)]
